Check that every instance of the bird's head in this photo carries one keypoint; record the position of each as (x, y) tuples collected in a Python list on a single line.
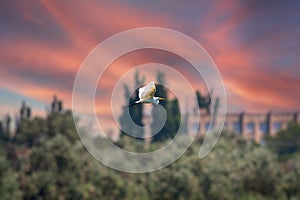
[(157, 99)]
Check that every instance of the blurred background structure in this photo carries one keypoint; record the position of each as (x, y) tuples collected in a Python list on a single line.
[(255, 126)]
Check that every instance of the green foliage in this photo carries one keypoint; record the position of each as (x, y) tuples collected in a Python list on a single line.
[(3, 135), (175, 182), (30, 132), (9, 185), (236, 166), (36, 131), (286, 141), (58, 123), (57, 166), (291, 183)]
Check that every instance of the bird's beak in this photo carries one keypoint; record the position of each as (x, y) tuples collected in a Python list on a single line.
[(161, 99)]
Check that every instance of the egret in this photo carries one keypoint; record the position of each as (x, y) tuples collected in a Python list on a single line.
[(146, 94)]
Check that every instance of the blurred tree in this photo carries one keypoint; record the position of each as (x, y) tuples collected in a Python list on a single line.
[(7, 124), (31, 132), (3, 135), (161, 91), (203, 101), (238, 167), (135, 111), (36, 131), (172, 123), (138, 187), (9, 186), (123, 119), (175, 182), (62, 123), (286, 142), (25, 111), (59, 167), (291, 183), (56, 105)]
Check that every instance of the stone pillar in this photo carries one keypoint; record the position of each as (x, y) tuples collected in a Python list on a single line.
[(243, 124), (257, 134), (147, 131), (201, 128), (229, 122), (230, 125), (146, 120), (284, 125)]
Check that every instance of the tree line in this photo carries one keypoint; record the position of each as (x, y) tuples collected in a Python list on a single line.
[(46, 160)]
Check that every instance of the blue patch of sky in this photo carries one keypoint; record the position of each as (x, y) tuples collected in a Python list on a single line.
[(13, 100)]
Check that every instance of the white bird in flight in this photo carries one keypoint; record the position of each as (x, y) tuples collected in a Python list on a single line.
[(146, 94)]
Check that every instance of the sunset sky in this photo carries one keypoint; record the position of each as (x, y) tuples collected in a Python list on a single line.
[(254, 43)]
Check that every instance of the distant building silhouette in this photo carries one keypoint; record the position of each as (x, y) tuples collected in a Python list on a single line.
[(56, 105), (251, 125), (25, 111)]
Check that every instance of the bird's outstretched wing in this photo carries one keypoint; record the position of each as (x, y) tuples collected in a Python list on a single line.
[(147, 91)]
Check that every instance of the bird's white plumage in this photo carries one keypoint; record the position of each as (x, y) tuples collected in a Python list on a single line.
[(147, 92), (141, 90)]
